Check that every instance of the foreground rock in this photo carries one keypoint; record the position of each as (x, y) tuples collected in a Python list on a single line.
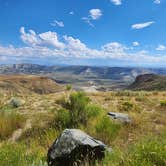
[(73, 146), (124, 118), (16, 102)]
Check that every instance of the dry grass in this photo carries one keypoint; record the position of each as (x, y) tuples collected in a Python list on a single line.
[(9, 122), (145, 108)]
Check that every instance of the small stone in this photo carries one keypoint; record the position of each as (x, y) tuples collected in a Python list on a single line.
[(124, 118)]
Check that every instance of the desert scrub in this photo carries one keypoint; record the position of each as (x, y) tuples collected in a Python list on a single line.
[(107, 130), (163, 103), (127, 106), (16, 155), (76, 105), (9, 122)]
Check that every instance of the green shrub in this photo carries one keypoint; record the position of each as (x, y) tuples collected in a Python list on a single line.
[(63, 119), (163, 103), (107, 130), (9, 122), (76, 105)]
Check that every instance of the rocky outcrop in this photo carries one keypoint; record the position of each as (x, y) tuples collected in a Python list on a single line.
[(124, 118), (74, 146)]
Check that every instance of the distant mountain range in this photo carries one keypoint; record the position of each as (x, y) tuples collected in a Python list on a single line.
[(103, 77)]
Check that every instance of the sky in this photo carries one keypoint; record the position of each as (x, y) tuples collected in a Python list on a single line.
[(83, 32)]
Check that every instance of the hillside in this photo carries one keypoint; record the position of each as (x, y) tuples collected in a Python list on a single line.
[(27, 84), (149, 82)]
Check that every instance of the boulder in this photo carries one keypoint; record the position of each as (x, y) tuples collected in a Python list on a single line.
[(124, 118), (75, 146), (16, 102)]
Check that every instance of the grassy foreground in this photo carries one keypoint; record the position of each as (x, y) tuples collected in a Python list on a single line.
[(141, 143)]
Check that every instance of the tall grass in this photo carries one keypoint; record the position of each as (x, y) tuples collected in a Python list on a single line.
[(17, 155), (9, 122)]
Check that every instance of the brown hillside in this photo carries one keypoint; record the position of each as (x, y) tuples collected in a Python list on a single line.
[(28, 83), (149, 82)]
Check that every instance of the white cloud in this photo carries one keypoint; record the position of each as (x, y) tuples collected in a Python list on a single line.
[(57, 23), (44, 39), (29, 38), (50, 38), (113, 47), (74, 44), (157, 1), (142, 25), (161, 48), (95, 14), (135, 44), (116, 2), (47, 45)]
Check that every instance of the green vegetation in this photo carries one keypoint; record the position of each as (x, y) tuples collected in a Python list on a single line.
[(77, 108), (141, 143), (16, 155), (163, 103)]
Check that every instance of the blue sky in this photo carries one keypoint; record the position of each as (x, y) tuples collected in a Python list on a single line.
[(83, 32)]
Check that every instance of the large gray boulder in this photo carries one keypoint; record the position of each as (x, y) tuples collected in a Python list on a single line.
[(74, 146), (124, 118)]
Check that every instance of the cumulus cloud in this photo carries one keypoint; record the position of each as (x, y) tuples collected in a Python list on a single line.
[(47, 45), (94, 14), (57, 23), (161, 48), (142, 25), (116, 2), (157, 2), (43, 39), (135, 44)]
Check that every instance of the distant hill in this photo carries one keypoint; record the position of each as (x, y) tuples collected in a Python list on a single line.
[(28, 83), (149, 82)]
